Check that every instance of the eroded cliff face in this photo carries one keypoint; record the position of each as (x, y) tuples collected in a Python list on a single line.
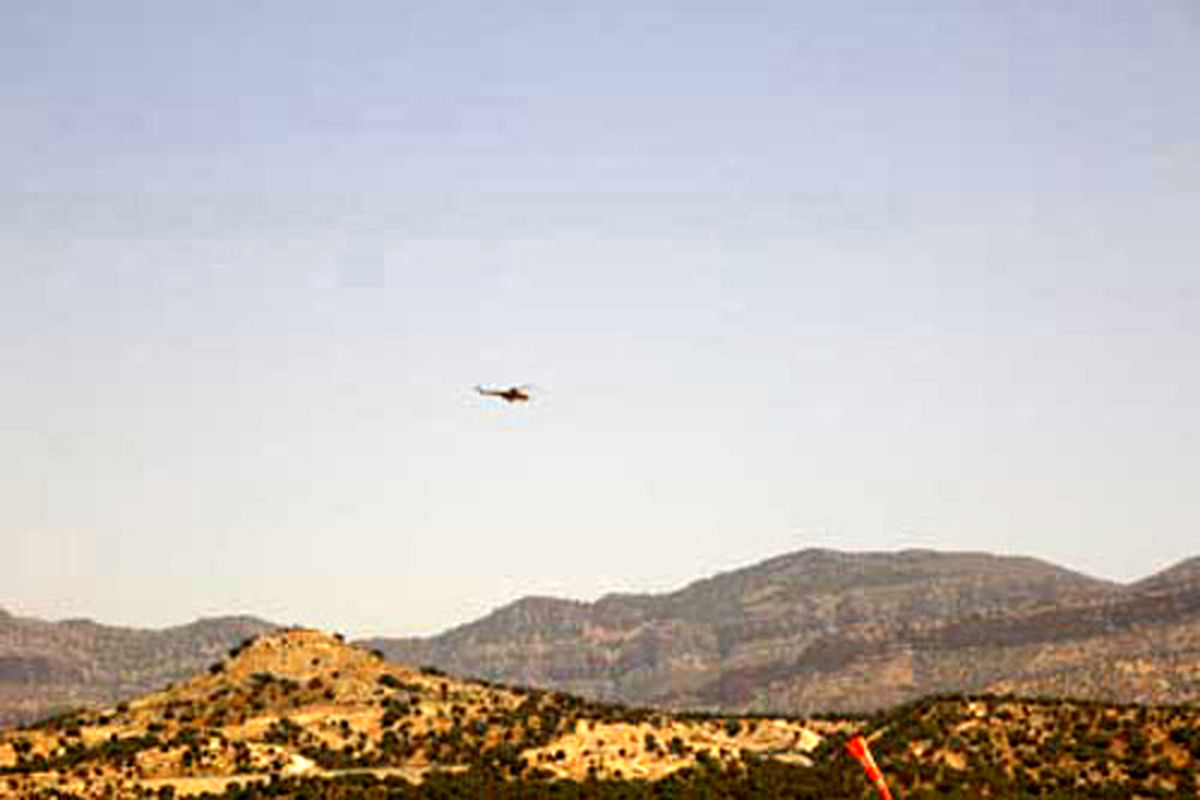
[(826, 631)]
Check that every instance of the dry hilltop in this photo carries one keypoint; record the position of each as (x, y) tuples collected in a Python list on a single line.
[(302, 702), (302, 714), (817, 631)]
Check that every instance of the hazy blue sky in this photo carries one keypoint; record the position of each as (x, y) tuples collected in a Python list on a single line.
[(864, 275)]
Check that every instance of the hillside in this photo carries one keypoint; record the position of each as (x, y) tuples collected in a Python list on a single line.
[(807, 632), (301, 714), (51, 666), (821, 630), (302, 702), (1184, 574)]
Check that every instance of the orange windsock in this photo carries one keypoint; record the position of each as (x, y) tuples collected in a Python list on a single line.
[(858, 748)]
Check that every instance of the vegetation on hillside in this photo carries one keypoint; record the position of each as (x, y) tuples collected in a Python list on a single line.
[(303, 715), (818, 631), (46, 667)]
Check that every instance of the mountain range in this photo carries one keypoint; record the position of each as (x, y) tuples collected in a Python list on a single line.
[(300, 713), (828, 631), (811, 631)]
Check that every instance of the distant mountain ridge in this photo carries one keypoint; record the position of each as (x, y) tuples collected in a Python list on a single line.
[(51, 666), (823, 630), (815, 630), (300, 713)]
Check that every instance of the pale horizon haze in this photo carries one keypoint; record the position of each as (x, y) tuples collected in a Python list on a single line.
[(868, 276)]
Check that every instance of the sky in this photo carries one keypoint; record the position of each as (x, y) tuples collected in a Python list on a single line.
[(867, 275)]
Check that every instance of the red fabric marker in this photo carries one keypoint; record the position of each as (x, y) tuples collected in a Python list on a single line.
[(858, 748)]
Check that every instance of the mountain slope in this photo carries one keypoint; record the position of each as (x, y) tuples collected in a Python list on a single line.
[(1181, 575), (301, 714), (821, 630), (303, 702), (51, 666)]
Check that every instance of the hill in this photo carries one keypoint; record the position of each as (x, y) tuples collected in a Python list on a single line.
[(52, 666), (813, 631), (301, 714), (821, 630), (303, 702)]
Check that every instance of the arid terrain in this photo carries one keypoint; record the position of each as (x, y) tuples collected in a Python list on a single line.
[(303, 702), (817, 631), (300, 713), (826, 631), (47, 667)]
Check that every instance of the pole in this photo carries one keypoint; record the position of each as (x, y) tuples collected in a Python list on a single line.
[(859, 749)]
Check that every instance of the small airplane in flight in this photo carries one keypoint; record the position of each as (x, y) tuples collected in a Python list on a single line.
[(513, 394)]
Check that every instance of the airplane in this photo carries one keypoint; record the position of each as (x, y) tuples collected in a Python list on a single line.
[(513, 394)]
